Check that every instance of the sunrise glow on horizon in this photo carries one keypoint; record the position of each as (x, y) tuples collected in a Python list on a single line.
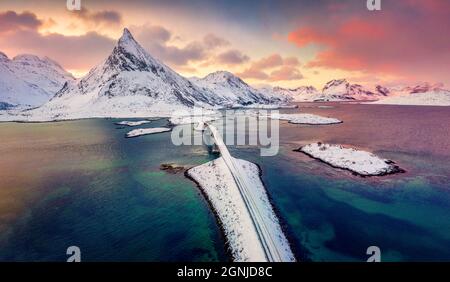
[(277, 43)]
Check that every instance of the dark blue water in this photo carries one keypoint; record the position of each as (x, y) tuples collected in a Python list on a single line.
[(81, 183), (332, 215), (105, 194)]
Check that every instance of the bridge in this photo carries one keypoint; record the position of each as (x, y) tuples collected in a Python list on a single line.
[(272, 249)]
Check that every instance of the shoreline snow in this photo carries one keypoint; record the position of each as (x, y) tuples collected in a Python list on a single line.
[(132, 123), (266, 106), (180, 120), (358, 162), (309, 119), (146, 131), (432, 98), (216, 182)]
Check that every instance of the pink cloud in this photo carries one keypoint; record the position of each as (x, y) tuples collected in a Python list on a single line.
[(291, 61), (20, 34), (286, 73), (271, 61), (253, 73), (98, 17), (436, 6), (232, 57), (213, 41), (407, 40), (85, 50), (11, 21), (280, 69), (157, 40)]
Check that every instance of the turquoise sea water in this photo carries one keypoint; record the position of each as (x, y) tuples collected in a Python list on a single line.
[(105, 194), (82, 183)]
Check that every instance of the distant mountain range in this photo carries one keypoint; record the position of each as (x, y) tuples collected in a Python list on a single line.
[(342, 90), (132, 83), (424, 94)]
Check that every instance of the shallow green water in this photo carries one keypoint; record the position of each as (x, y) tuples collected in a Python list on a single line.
[(103, 193), (82, 183)]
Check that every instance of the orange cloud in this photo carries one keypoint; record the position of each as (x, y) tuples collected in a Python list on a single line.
[(253, 73), (286, 73), (275, 60), (281, 69)]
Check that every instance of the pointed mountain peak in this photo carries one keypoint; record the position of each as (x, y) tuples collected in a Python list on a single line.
[(128, 43), (126, 36), (129, 55), (127, 46)]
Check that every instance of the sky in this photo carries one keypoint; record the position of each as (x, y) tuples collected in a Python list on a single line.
[(279, 43)]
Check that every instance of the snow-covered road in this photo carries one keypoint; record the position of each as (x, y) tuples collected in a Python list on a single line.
[(273, 248)]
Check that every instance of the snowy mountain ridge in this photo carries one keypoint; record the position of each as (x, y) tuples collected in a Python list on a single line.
[(424, 94), (233, 91), (128, 83), (132, 83), (342, 90), (27, 80), (334, 90), (299, 94)]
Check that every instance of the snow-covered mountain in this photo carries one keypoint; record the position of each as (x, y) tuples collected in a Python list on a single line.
[(422, 88), (234, 91), (299, 94), (425, 94), (334, 90), (342, 90), (132, 83), (28, 80), (383, 91), (338, 90)]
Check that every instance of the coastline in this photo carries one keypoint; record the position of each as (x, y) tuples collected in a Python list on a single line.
[(219, 222), (316, 124), (146, 131), (396, 168), (233, 215), (283, 223)]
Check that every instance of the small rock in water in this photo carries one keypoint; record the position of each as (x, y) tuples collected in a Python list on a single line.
[(172, 168)]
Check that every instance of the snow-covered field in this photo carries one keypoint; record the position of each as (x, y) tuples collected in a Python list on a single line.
[(305, 119), (360, 162), (178, 120), (217, 183), (145, 131), (432, 98), (267, 107), (120, 107), (133, 123)]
